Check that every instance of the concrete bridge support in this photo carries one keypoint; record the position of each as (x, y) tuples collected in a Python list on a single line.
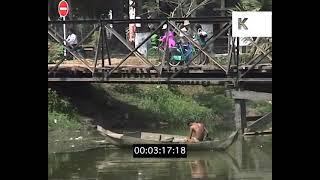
[(240, 114), (240, 98)]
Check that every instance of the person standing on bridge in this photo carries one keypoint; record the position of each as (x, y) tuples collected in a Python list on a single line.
[(171, 38), (187, 30), (154, 38), (200, 36)]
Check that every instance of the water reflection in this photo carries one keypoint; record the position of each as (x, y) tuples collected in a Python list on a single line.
[(247, 158), (199, 169)]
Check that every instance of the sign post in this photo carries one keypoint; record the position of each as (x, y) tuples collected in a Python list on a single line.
[(64, 36), (63, 9)]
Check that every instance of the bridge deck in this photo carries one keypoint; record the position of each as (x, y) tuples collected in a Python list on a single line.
[(192, 74), (261, 68)]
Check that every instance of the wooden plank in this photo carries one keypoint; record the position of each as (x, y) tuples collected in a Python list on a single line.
[(251, 95), (260, 123)]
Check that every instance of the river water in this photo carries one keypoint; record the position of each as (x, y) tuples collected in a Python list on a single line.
[(247, 158)]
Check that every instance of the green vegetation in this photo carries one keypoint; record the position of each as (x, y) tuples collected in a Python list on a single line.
[(254, 5), (176, 105), (55, 52), (261, 107), (61, 114), (220, 104), (173, 105)]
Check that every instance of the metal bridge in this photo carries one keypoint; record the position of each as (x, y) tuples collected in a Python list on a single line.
[(204, 67)]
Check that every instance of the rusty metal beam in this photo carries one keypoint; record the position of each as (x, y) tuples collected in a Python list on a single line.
[(197, 46), (166, 48), (201, 49), (256, 57), (50, 31), (255, 64), (123, 41), (163, 80), (133, 50), (102, 43), (259, 48), (87, 36), (97, 50), (213, 38), (108, 51), (230, 54), (159, 80)]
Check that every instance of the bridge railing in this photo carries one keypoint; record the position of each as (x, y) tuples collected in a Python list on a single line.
[(107, 34)]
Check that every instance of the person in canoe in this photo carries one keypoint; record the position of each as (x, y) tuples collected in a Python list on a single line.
[(198, 132)]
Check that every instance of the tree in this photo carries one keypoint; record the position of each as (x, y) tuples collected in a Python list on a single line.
[(256, 5), (180, 8)]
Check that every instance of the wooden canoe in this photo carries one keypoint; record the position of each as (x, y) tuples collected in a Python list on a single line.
[(127, 140)]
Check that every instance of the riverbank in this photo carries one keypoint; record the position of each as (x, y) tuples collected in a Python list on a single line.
[(74, 110), (67, 130)]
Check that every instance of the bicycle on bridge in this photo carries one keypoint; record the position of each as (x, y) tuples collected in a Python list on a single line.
[(180, 54)]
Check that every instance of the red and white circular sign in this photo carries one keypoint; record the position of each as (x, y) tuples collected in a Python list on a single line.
[(63, 8)]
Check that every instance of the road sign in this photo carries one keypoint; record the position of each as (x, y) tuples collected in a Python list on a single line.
[(63, 8)]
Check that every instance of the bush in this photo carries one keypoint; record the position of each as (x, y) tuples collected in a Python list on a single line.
[(61, 120), (126, 89), (216, 90), (55, 52), (220, 104), (58, 104), (261, 107), (171, 106), (93, 39), (60, 112)]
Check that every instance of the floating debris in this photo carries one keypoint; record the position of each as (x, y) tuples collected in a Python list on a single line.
[(78, 138)]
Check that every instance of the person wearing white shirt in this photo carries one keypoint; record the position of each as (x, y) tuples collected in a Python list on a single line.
[(72, 39), (72, 42)]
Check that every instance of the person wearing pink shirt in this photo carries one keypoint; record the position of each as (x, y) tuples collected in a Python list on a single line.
[(171, 40)]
